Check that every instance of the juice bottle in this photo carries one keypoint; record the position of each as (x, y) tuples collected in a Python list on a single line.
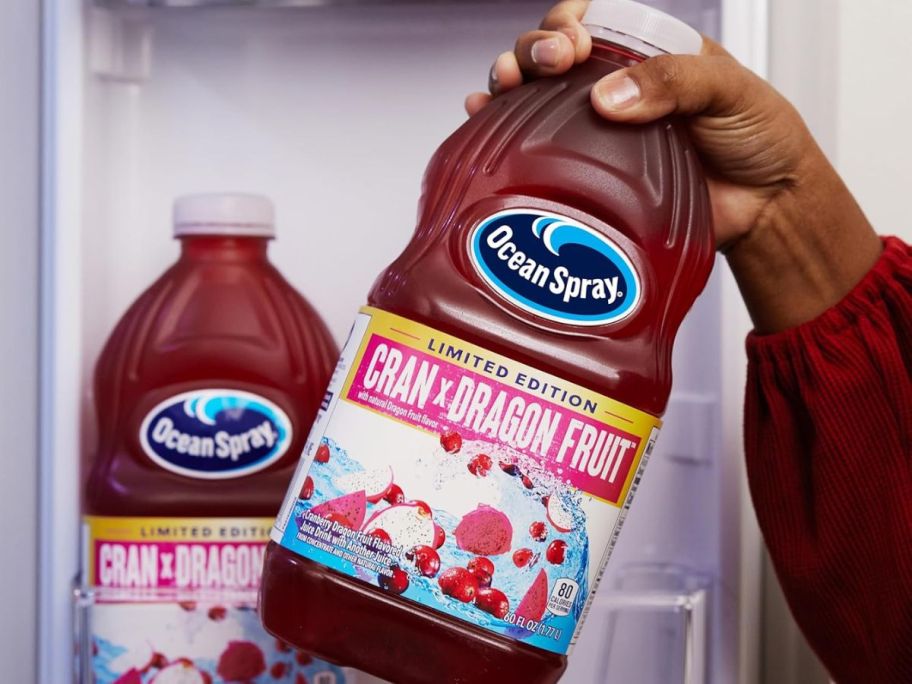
[(496, 402), (203, 395)]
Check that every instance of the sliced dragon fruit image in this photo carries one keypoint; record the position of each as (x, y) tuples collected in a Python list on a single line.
[(180, 672), (131, 676), (374, 483), (408, 525), (348, 510), (560, 517), (533, 604), (485, 531)]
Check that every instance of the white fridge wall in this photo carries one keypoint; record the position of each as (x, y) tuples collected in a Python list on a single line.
[(333, 112)]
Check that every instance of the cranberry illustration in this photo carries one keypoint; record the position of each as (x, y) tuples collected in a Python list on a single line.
[(557, 551), (538, 531), (282, 647), (480, 465), (426, 560), (217, 613), (322, 455), (527, 483), (509, 468), (395, 495), (439, 536), (423, 508), (207, 678), (396, 583), (303, 658), (278, 670), (381, 534), (157, 661), (451, 441), (481, 563), (189, 606), (300, 679), (459, 583), (307, 489), (521, 557), (493, 601), (240, 661), (545, 499), (484, 578)]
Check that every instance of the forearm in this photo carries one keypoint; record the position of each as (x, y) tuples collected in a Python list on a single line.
[(809, 247)]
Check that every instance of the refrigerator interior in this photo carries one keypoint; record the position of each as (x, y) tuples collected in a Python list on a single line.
[(333, 112)]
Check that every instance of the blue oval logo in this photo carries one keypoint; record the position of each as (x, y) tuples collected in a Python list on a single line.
[(555, 267), (215, 434)]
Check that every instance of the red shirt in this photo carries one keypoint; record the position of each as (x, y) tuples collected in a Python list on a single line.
[(828, 435)]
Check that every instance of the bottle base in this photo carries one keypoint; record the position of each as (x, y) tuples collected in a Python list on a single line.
[(354, 624)]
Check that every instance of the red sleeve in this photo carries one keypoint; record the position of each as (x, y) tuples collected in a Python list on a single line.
[(828, 435)]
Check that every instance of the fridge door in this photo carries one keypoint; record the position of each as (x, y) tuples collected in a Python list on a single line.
[(333, 112), (20, 244)]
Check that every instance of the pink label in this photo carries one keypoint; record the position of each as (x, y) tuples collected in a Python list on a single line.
[(435, 395), (177, 565)]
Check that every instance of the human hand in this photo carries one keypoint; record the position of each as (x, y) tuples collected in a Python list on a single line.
[(781, 213)]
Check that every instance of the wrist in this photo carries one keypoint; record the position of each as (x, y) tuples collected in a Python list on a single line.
[(809, 247)]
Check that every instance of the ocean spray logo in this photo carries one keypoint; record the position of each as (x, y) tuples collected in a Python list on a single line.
[(555, 267), (215, 434)]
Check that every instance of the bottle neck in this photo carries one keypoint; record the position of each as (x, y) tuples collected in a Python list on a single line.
[(622, 44), (223, 248)]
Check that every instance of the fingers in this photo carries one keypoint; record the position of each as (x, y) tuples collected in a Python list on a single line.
[(544, 53), (565, 18), (476, 101), (713, 49), (505, 74), (686, 85)]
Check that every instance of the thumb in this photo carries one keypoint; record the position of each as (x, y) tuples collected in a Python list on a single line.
[(688, 85)]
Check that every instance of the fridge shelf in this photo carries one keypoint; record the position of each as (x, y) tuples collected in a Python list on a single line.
[(651, 627), (191, 636)]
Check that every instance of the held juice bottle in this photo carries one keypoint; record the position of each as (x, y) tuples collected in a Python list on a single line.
[(204, 393), (496, 401)]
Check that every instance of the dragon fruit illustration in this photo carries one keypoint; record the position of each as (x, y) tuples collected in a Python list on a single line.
[(375, 483), (241, 661), (533, 604), (408, 525), (348, 510), (180, 672), (558, 515), (485, 531)]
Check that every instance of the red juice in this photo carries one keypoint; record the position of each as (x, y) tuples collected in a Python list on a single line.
[(203, 394), (501, 392)]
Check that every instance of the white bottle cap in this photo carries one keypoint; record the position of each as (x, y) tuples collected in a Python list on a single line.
[(224, 214), (646, 24)]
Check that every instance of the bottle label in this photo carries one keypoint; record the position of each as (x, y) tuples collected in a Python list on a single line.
[(554, 267), (174, 600), (174, 554), (464, 481), (215, 434)]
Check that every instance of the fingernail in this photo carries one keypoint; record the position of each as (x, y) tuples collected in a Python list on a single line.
[(493, 84), (617, 92), (546, 52)]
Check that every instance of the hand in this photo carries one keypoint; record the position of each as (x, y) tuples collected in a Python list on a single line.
[(792, 232)]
